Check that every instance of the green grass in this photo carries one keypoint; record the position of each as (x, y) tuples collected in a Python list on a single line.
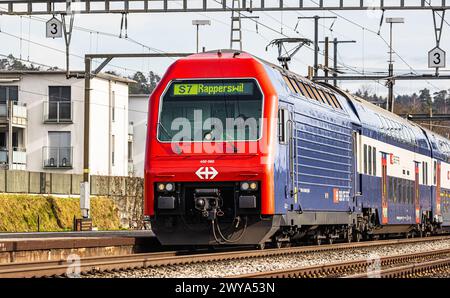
[(19, 213)]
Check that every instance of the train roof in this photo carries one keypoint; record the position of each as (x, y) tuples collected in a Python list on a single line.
[(370, 116), (439, 144)]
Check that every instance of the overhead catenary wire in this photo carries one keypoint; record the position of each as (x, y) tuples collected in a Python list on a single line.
[(382, 38), (256, 21)]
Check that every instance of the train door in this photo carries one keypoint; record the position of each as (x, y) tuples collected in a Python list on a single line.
[(438, 190), (384, 192), (292, 148), (287, 148), (417, 192), (356, 183)]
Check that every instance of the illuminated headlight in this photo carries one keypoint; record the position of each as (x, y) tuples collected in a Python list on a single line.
[(161, 187), (170, 187), (249, 186), (245, 186)]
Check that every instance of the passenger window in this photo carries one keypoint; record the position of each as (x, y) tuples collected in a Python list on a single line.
[(423, 172), (435, 173), (400, 190), (338, 104), (391, 189), (321, 93), (289, 84), (294, 84), (365, 159), (327, 95), (316, 94), (395, 191), (370, 160), (303, 89), (283, 118), (310, 92), (374, 159), (405, 191)]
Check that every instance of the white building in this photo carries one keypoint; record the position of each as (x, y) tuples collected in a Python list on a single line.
[(138, 112), (46, 118)]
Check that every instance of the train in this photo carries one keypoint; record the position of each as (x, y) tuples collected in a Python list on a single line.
[(243, 152)]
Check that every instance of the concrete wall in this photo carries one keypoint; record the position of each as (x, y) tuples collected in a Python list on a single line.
[(138, 112), (127, 192)]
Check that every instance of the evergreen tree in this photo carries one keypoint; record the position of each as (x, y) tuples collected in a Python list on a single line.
[(12, 63)]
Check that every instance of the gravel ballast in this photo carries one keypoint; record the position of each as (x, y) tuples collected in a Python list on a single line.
[(245, 266)]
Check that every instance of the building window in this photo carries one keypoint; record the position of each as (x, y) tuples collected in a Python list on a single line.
[(59, 106), (113, 145), (130, 151), (7, 93), (58, 153)]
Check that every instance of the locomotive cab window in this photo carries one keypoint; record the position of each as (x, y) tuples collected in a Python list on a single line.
[(283, 123), (211, 110)]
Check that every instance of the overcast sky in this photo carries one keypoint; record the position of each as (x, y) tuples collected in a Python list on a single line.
[(174, 33)]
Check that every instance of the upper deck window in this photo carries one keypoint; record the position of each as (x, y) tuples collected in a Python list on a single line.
[(211, 110), (336, 101), (317, 95), (289, 83), (311, 91)]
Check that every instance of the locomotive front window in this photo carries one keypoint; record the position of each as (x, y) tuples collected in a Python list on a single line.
[(211, 110)]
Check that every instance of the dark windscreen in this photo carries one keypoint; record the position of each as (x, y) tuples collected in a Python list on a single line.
[(211, 110)]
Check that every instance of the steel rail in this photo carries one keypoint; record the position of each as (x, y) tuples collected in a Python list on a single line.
[(346, 267), (407, 271), (145, 260)]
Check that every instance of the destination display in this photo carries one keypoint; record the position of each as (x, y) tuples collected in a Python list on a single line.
[(213, 88)]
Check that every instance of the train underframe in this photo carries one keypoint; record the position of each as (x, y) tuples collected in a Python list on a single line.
[(275, 231), (197, 214)]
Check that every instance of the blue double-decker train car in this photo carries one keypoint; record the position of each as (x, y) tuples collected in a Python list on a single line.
[(321, 164)]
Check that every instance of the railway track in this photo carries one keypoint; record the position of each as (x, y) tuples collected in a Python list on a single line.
[(93, 265), (390, 267), (409, 271)]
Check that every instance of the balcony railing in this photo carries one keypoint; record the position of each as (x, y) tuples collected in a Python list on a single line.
[(3, 156), (130, 168), (57, 157), (19, 156), (19, 112), (58, 111), (3, 110), (130, 132)]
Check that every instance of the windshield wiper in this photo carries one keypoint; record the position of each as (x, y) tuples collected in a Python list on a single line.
[(165, 130), (226, 140), (231, 142)]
